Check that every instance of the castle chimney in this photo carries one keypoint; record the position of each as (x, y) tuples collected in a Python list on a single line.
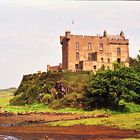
[(67, 35), (61, 39), (48, 67), (105, 33), (122, 34)]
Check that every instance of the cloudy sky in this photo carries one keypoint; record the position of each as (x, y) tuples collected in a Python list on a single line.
[(30, 30)]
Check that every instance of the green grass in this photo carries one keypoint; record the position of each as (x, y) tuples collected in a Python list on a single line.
[(127, 121), (5, 96), (28, 108), (132, 107), (117, 119), (44, 108)]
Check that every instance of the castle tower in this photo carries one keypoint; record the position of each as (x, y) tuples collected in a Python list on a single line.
[(105, 33)]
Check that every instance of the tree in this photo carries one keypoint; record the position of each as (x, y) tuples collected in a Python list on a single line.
[(108, 87), (135, 62)]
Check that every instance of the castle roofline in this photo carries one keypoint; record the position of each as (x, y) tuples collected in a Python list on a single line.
[(115, 37), (118, 36)]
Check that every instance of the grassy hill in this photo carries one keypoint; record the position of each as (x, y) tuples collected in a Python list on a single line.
[(57, 89), (6, 95)]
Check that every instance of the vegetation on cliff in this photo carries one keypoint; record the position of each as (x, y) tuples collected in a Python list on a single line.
[(113, 88), (55, 89), (135, 62)]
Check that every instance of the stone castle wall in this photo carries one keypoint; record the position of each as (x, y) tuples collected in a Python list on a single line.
[(105, 47)]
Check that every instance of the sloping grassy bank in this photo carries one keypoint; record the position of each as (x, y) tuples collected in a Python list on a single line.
[(127, 121)]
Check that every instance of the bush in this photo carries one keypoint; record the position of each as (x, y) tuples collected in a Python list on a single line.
[(132, 107), (18, 100), (73, 99), (46, 98), (107, 88), (56, 104)]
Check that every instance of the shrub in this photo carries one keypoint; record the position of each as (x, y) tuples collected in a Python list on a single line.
[(46, 98), (132, 107), (56, 104), (107, 88), (73, 99)]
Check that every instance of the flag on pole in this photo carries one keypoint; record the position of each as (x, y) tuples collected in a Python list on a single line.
[(72, 21)]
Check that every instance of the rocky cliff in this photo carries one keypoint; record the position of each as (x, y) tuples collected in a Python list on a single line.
[(50, 88)]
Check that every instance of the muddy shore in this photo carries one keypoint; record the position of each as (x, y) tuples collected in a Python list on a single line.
[(80, 132), (34, 126)]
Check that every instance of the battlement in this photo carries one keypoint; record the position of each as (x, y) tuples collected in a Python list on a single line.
[(83, 36), (113, 39), (54, 68), (119, 41)]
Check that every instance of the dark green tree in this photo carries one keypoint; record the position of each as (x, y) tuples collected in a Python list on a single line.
[(107, 88), (135, 63)]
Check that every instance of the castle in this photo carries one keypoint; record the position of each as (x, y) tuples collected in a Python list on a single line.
[(91, 52)]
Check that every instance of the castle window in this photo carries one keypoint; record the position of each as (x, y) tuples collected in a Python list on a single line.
[(108, 60), (118, 51), (102, 59), (76, 66), (90, 58), (77, 56), (101, 46), (94, 67), (89, 46), (118, 60), (77, 45), (94, 55)]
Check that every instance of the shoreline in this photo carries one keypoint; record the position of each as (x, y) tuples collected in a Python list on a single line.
[(33, 125), (76, 131)]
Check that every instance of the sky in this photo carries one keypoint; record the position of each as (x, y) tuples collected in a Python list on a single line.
[(30, 30)]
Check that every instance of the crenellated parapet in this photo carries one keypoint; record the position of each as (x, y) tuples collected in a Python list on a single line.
[(54, 68), (119, 41)]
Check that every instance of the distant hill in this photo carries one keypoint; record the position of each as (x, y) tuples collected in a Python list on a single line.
[(12, 90), (6, 95)]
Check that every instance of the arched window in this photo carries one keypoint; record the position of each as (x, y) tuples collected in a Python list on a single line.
[(108, 60), (89, 46), (118, 51), (77, 56), (101, 47), (77, 45)]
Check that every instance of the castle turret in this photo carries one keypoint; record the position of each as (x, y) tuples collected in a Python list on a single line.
[(61, 39), (122, 34), (105, 33), (67, 35)]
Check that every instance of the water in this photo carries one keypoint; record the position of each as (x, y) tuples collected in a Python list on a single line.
[(5, 137), (44, 137)]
